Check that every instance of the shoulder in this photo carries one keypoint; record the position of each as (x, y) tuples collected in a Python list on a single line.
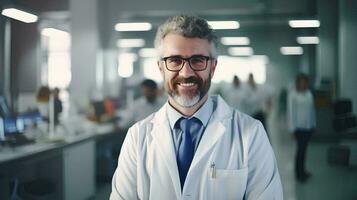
[(144, 126)]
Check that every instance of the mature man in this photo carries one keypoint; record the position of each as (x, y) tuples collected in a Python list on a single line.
[(195, 146)]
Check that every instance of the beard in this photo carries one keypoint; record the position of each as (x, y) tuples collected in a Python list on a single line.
[(188, 98)]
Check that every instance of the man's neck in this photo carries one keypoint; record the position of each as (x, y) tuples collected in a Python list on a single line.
[(188, 111)]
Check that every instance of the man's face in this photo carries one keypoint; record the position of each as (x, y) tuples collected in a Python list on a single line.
[(186, 87)]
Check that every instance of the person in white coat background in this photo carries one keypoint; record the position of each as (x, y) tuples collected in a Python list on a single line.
[(235, 94), (142, 107), (195, 146), (302, 122)]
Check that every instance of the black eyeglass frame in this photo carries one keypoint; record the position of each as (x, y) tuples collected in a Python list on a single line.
[(186, 60)]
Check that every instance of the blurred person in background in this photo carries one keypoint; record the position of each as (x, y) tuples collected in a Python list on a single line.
[(43, 99), (302, 122), (149, 102), (257, 100), (235, 94), (57, 104)]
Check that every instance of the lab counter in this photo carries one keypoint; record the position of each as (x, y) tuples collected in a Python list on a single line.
[(69, 163)]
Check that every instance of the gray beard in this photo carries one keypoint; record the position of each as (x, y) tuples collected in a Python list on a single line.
[(186, 101)]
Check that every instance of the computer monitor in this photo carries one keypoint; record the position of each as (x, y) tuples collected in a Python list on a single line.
[(4, 108), (10, 126), (29, 119)]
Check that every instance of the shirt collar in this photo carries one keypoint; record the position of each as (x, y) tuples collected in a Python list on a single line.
[(203, 114)]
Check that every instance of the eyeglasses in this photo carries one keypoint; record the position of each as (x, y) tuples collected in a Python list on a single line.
[(176, 63)]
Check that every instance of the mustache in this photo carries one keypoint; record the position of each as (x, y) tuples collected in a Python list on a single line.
[(191, 79)]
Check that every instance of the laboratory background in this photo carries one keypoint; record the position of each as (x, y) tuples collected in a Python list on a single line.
[(76, 74)]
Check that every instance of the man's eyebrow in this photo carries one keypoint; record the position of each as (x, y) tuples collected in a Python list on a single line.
[(177, 55)]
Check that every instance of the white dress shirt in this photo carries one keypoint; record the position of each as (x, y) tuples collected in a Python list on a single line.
[(301, 110)]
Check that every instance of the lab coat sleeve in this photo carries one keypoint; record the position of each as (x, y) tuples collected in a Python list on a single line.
[(263, 176), (124, 181)]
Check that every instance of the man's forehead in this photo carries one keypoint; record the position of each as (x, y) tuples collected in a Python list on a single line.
[(178, 44)]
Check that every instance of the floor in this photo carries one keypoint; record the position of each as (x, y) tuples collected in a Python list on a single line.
[(327, 182)]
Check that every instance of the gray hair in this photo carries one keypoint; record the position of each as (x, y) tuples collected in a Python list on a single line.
[(187, 26)]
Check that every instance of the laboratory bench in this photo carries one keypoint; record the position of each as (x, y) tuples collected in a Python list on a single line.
[(68, 167)]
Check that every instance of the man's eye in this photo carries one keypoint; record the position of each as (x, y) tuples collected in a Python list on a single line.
[(174, 60), (197, 60)]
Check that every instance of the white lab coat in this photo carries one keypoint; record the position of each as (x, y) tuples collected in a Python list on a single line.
[(236, 143)]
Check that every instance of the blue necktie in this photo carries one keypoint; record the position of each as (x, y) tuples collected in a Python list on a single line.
[(185, 150)]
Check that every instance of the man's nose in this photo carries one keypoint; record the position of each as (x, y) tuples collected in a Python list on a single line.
[(186, 70)]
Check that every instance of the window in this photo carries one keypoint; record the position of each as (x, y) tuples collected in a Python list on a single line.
[(228, 66), (151, 69), (126, 64), (57, 62)]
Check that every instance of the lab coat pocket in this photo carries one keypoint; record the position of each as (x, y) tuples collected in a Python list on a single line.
[(227, 184)]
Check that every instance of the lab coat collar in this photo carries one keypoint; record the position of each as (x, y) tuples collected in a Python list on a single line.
[(162, 134)]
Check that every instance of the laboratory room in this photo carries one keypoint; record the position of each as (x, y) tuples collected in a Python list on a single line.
[(130, 99)]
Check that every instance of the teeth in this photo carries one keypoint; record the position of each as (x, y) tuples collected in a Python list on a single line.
[(187, 84)]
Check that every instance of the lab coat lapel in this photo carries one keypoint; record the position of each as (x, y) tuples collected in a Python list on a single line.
[(214, 131), (161, 132)]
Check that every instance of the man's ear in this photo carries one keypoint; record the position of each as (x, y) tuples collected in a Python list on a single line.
[(160, 66)]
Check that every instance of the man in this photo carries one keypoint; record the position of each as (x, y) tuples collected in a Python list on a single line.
[(235, 94), (302, 122), (258, 100), (195, 146), (143, 106)]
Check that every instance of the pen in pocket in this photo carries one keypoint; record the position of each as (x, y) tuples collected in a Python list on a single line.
[(213, 170)]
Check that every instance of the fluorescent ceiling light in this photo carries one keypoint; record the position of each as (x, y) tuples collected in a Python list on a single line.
[(304, 23), (308, 40), (224, 24), (235, 40), (52, 32), (19, 15), (291, 50), (147, 52), (240, 51), (130, 43), (139, 26)]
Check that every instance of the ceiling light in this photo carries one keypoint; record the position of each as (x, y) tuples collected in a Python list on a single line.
[(291, 50), (130, 43), (308, 40), (139, 26), (147, 52), (235, 40), (52, 32), (240, 51), (19, 15), (304, 23), (224, 24)]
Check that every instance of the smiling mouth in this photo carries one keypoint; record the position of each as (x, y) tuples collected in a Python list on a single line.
[(187, 84)]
